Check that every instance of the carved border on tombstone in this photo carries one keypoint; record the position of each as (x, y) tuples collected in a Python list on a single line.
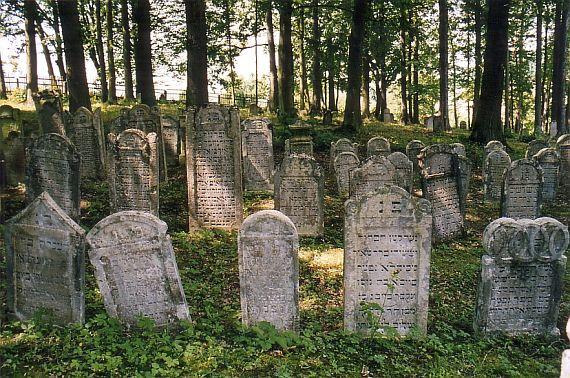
[(88, 141)]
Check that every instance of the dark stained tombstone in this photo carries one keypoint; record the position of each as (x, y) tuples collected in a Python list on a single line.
[(404, 175), (136, 269), (522, 190), (53, 166), (342, 145), (133, 171), (10, 120), (374, 172), (257, 153), (15, 159), (459, 149), (378, 146), (494, 167), (45, 256), (493, 146), (86, 134), (522, 276), (50, 105), (213, 167), (413, 149), (387, 261), (171, 134), (463, 125), (344, 164), (464, 168), (299, 145), (299, 193), (268, 247), (549, 160), (563, 144), (328, 117), (535, 146)]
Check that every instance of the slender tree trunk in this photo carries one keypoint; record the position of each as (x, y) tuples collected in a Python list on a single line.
[(366, 84), (101, 52), (403, 66), (286, 70), (74, 56), (274, 82), (304, 86), (454, 66), (317, 76), (378, 89), (559, 56), (538, 73), (507, 125), (568, 105), (127, 49), (111, 54), (2, 82), (58, 43), (409, 58), (197, 53), (30, 15), (143, 52), (228, 27), (546, 85), (478, 56), (330, 60), (443, 65), (416, 83), (47, 56)]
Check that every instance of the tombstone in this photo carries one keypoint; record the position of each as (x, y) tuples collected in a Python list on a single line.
[(60, 122), (459, 149), (494, 145), (437, 124), (53, 166), (299, 145), (15, 159), (442, 186), (268, 247), (86, 134), (213, 167), (133, 171), (404, 174), (10, 120), (378, 146), (119, 124), (522, 190), (464, 168), (374, 172), (535, 146), (327, 117), (428, 123), (342, 145), (463, 125), (50, 105), (254, 109), (549, 160), (299, 193), (136, 270), (553, 130), (171, 134), (45, 258), (387, 261), (344, 165), (257, 154), (522, 275), (565, 368), (387, 116), (494, 167), (563, 144), (413, 149)]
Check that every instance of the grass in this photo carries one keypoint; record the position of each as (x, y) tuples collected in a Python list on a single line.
[(215, 344)]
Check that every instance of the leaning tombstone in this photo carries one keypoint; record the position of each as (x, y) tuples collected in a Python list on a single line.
[(45, 258), (522, 275), (53, 166), (535, 146), (549, 160), (257, 154), (299, 145), (268, 247), (522, 190), (378, 146), (404, 170), (213, 167), (494, 167), (342, 145), (15, 159), (171, 135), (493, 146), (459, 149), (563, 144), (299, 193), (86, 134), (387, 261), (136, 270), (413, 149), (442, 186), (374, 172), (344, 164)]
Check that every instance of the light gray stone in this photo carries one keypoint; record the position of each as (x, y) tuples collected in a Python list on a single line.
[(299, 145), (45, 258), (549, 160), (342, 145), (493, 146), (344, 164), (522, 275), (387, 116), (171, 134), (413, 149), (86, 134), (522, 190), (535, 146), (387, 261), (494, 167), (268, 247), (563, 145), (136, 270), (257, 154), (404, 174), (378, 146), (374, 172)]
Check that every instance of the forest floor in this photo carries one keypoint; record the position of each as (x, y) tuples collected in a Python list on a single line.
[(216, 344)]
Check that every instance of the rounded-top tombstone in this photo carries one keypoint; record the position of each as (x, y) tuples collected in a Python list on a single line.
[(494, 167), (535, 146), (413, 149), (85, 131), (374, 172), (522, 190), (378, 146), (344, 164), (549, 160), (404, 175), (563, 144), (493, 145)]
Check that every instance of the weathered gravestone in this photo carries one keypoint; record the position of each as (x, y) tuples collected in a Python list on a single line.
[(51, 116), (344, 164), (464, 168), (387, 116), (45, 256), (133, 171), (254, 109), (299, 145), (459, 149), (342, 145), (171, 134), (10, 120), (386, 261), (494, 167), (257, 153), (463, 125), (563, 144), (404, 174), (135, 268), (493, 146), (565, 368), (299, 193), (213, 167), (268, 247), (521, 276), (549, 160), (15, 159), (378, 146), (535, 146), (413, 149), (53, 165), (374, 172), (441, 185), (522, 190), (328, 117), (86, 134)]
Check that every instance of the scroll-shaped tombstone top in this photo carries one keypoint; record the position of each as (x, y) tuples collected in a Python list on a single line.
[(563, 144), (378, 146), (386, 259), (344, 165), (404, 175), (522, 190), (85, 131), (549, 160), (493, 145), (257, 153), (376, 171), (413, 149), (459, 149), (342, 145), (268, 247), (136, 269), (494, 167), (535, 146), (521, 277), (45, 256)]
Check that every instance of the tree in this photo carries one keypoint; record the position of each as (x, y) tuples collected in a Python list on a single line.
[(538, 72), (478, 10), (274, 81), (286, 69), (127, 50), (47, 55), (316, 76), (30, 16), (196, 50), (101, 52), (403, 66), (111, 54), (443, 65), (143, 52), (2, 82), (561, 23), (58, 43), (487, 122)]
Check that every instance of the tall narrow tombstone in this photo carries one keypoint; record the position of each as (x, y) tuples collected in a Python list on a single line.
[(86, 134), (171, 134), (299, 193), (53, 166), (387, 240), (413, 149), (257, 153), (378, 146), (549, 160), (522, 276), (522, 190), (15, 159), (344, 165), (133, 171), (342, 145), (494, 167), (299, 145), (563, 144), (404, 175), (464, 168), (135, 268), (441, 185), (213, 167), (268, 247), (45, 255), (493, 146), (375, 172), (535, 146)]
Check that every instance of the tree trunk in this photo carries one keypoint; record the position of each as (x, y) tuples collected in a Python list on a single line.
[(30, 15), (317, 76), (228, 27), (546, 85), (487, 123), (416, 83), (352, 115), (127, 49), (197, 53), (101, 52), (468, 77), (568, 106), (403, 67), (378, 90), (366, 84), (2, 82), (274, 82), (304, 87), (559, 64), (454, 68), (443, 65), (74, 56), (330, 60), (507, 125), (286, 73), (538, 73), (143, 53), (58, 44), (478, 56), (47, 56), (111, 54)]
